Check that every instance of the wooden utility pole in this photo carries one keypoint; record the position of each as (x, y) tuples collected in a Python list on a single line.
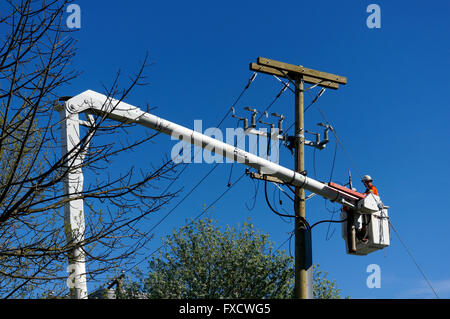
[(303, 260), (298, 75)]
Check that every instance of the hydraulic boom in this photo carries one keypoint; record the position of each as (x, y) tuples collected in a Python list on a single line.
[(359, 210)]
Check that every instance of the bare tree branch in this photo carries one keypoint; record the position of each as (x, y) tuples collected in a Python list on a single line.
[(35, 57)]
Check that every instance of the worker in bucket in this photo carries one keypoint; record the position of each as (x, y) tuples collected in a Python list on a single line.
[(367, 181)]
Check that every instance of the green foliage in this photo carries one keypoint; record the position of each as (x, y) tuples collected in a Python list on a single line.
[(201, 261), (322, 287), (14, 150)]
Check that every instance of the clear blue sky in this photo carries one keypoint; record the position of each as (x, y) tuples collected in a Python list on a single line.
[(392, 116)]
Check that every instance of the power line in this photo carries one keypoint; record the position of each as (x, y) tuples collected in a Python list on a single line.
[(252, 78), (390, 223), (303, 220), (286, 86), (194, 219), (288, 239), (249, 82), (338, 141), (215, 166), (334, 162), (247, 86), (307, 107), (333, 130), (413, 259), (270, 206), (186, 196), (328, 221), (220, 196)]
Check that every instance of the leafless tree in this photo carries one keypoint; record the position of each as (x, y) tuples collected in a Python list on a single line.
[(36, 51)]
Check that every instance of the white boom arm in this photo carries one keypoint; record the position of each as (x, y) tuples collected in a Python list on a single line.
[(123, 112), (74, 225), (93, 102)]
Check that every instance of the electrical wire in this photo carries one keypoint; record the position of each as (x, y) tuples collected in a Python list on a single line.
[(270, 206), (333, 162), (280, 214), (250, 81), (285, 84), (220, 197), (280, 202), (390, 223), (338, 141), (314, 100), (214, 167), (327, 221), (265, 111), (303, 220), (284, 192), (288, 239), (232, 164), (262, 114), (194, 219), (412, 258), (184, 198), (329, 226), (256, 186), (247, 86)]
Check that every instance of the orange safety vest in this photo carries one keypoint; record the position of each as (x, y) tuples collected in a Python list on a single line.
[(372, 189)]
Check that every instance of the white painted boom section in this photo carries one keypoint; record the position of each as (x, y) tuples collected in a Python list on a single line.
[(74, 225), (123, 112), (93, 102)]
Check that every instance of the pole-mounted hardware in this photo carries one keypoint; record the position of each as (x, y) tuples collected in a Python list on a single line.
[(251, 129), (280, 121), (298, 74), (318, 143), (359, 204), (254, 113), (243, 119)]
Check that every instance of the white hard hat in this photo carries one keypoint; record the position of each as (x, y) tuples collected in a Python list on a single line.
[(367, 178)]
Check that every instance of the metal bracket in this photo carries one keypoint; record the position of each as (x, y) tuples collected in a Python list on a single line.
[(263, 177)]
